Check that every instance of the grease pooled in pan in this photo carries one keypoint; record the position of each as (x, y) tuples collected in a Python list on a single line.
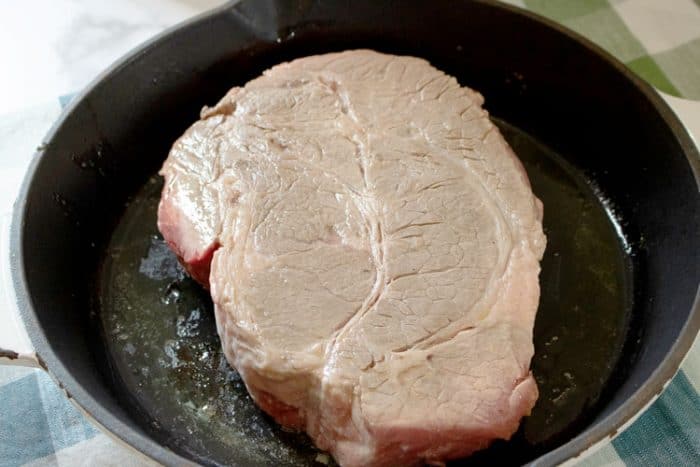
[(161, 336)]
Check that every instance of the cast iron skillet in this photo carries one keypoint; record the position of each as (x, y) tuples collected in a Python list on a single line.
[(614, 167)]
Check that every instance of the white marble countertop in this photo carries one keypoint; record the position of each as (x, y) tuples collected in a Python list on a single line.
[(57, 46)]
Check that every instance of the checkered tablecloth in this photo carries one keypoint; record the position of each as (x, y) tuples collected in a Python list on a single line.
[(658, 39)]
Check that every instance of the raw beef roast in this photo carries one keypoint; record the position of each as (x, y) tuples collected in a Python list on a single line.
[(372, 248)]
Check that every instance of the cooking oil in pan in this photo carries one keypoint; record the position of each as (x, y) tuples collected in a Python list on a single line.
[(159, 330), (161, 336), (586, 294)]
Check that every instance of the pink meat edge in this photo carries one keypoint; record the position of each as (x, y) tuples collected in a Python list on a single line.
[(196, 262)]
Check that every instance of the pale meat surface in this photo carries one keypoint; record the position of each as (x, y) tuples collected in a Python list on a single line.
[(372, 248)]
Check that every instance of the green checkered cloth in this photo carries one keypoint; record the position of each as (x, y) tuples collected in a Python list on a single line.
[(658, 39)]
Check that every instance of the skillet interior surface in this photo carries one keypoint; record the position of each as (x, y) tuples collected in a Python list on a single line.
[(597, 130), (162, 340)]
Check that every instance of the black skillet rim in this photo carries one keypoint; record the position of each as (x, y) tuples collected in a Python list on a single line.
[(593, 436)]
